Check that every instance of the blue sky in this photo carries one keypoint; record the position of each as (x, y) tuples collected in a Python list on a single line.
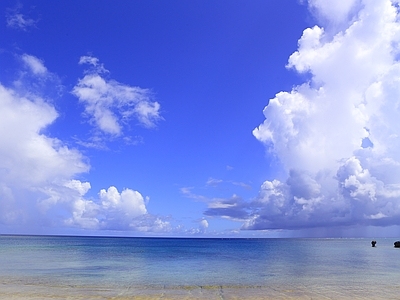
[(199, 118)]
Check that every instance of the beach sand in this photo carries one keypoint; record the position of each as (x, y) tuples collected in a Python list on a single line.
[(38, 291)]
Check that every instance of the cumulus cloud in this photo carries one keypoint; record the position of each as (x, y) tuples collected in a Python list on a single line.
[(204, 224), (130, 202), (110, 104), (39, 174), (27, 154), (112, 210), (29, 160), (200, 230), (333, 12), (337, 135)]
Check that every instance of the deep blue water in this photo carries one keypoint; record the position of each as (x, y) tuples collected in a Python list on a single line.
[(106, 261)]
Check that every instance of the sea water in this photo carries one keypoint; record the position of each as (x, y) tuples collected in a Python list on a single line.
[(110, 267)]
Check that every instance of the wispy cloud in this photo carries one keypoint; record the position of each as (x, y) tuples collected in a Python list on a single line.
[(35, 79), (187, 192), (35, 64), (109, 104), (241, 184), (16, 20), (214, 182)]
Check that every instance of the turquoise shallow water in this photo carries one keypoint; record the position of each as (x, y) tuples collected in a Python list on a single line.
[(121, 264)]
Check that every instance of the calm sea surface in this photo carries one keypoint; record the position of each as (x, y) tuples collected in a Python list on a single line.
[(117, 267)]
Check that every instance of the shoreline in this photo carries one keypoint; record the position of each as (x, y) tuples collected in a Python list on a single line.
[(42, 291)]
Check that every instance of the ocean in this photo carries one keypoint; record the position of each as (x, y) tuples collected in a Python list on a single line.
[(60, 267)]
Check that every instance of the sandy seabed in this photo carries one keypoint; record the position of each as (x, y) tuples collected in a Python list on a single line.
[(38, 291)]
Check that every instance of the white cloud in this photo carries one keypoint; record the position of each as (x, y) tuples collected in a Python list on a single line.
[(89, 60), (334, 12), (35, 80), (39, 185), (113, 210), (26, 154), (200, 230), (204, 224), (16, 20), (147, 112), (110, 104), (214, 182), (129, 201), (187, 192), (150, 223), (317, 130), (35, 64), (30, 162)]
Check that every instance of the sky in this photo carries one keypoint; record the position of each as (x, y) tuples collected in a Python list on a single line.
[(239, 118)]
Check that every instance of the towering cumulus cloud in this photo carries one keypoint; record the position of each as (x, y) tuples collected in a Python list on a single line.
[(337, 136)]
